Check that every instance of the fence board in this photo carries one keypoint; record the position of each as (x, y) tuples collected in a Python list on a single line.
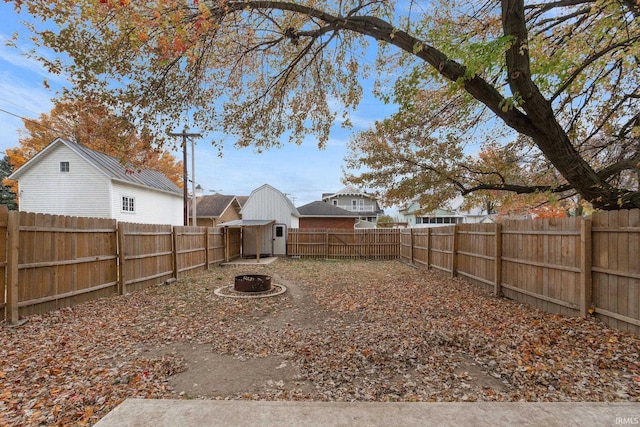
[(344, 243), (4, 219), (406, 245), (59, 267), (190, 249), (616, 268), (476, 254), (146, 255), (215, 246), (541, 263), (441, 248)]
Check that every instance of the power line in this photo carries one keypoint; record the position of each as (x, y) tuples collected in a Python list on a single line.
[(56, 131), (8, 101)]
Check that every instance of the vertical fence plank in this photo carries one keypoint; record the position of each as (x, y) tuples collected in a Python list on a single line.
[(497, 264), (122, 279), (13, 241), (428, 253), (412, 242), (4, 213), (454, 250), (207, 242), (585, 266), (174, 251)]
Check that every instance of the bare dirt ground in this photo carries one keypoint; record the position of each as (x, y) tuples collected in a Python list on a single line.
[(343, 331)]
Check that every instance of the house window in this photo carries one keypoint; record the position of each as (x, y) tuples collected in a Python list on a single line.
[(128, 204), (354, 205), (335, 203), (64, 166)]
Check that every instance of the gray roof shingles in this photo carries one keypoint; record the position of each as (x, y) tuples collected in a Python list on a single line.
[(324, 209), (213, 205), (115, 169)]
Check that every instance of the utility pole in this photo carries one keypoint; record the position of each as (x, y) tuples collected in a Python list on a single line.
[(184, 134)]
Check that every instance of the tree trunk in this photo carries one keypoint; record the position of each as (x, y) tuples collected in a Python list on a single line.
[(549, 136)]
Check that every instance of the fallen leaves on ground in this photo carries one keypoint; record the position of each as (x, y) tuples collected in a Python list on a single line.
[(380, 331)]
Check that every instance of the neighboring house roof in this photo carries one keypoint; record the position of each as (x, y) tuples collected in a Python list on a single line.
[(213, 206), (242, 200), (346, 191), (109, 166), (324, 209)]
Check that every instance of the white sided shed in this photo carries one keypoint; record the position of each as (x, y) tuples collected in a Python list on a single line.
[(266, 203), (66, 178)]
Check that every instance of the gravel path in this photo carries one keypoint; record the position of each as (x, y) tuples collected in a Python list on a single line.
[(344, 331)]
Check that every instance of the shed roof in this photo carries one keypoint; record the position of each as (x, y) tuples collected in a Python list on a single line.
[(266, 187)]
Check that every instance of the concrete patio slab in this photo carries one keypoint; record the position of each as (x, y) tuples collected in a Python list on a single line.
[(200, 413), (251, 261)]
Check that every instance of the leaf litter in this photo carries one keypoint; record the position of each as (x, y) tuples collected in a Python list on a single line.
[(373, 331)]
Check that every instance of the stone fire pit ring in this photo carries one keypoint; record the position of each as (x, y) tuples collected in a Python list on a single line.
[(251, 286)]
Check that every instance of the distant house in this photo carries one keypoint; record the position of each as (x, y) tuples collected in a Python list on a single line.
[(353, 200), (214, 209), (452, 213), (326, 215), (66, 178), (267, 216)]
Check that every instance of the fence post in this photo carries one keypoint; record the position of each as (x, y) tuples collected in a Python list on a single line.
[(13, 248), (454, 248), (585, 266), (121, 262), (497, 264)]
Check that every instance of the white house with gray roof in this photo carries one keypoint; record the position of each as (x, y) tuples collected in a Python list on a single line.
[(66, 178)]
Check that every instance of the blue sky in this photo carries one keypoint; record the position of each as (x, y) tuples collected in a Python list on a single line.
[(302, 172)]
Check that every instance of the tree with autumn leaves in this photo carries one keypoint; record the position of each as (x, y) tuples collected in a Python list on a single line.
[(561, 78), (94, 126)]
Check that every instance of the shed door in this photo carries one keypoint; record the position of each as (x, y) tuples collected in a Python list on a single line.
[(279, 239)]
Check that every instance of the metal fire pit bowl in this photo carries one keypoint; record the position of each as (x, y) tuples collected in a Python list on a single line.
[(252, 283)]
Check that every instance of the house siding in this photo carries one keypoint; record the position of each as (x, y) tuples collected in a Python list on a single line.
[(364, 205), (41, 188), (230, 214), (151, 207)]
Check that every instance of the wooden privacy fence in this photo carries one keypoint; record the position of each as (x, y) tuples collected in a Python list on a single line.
[(571, 266), (50, 261), (341, 243), (615, 267), (56, 261)]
